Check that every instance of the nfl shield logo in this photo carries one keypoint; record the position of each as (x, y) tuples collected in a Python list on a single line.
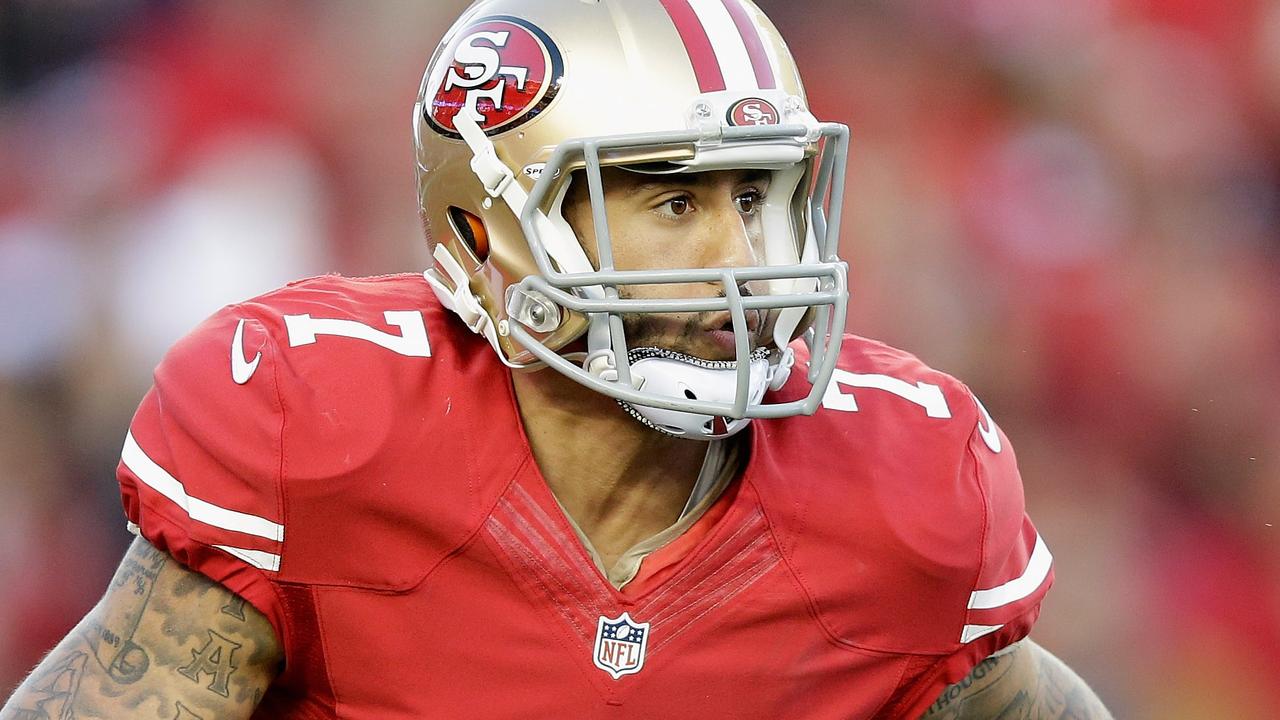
[(620, 645)]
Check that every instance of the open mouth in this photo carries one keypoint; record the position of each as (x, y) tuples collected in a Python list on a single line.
[(723, 322), (720, 333), (710, 336)]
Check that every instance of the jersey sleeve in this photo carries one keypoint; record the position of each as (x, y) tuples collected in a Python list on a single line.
[(201, 465), (1014, 570)]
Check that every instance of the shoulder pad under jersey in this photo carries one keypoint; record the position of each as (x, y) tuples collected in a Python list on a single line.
[(899, 506), (330, 432)]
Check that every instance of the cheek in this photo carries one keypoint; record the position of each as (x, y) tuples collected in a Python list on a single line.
[(654, 246), (581, 224), (633, 247)]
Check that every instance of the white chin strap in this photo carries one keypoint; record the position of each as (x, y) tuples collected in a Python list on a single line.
[(682, 377)]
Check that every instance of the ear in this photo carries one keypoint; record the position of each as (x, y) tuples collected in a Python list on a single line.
[(471, 230)]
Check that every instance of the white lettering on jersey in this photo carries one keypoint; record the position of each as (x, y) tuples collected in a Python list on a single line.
[(241, 369), (411, 342), (925, 395), (480, 66), (987, 427)]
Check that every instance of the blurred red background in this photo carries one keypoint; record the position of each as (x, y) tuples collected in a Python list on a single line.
[(1075, 207)]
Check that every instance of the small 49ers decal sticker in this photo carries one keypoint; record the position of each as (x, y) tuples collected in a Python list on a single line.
[(753, 111), (502, 71)]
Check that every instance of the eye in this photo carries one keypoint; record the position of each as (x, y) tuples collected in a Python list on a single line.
[(748, 202), (676, 206)]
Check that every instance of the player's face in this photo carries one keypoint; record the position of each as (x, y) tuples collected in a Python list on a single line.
[(699, 220)]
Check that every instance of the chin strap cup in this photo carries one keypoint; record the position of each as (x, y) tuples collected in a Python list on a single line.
[(666, 373)]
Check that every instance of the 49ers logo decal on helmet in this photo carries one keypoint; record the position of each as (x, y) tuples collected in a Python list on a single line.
[(753, 111), (501, 70)]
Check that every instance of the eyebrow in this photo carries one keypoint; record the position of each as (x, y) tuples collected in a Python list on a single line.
[(700, 179)]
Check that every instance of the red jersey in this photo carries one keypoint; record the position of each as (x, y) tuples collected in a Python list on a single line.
[(349, 458)]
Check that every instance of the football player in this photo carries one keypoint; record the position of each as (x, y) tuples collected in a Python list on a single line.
[(612, 456)]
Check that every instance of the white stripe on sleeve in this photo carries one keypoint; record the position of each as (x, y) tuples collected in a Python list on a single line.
[(1021, 586), (973, 632), (731, 51), (159, 479), (256, 558)]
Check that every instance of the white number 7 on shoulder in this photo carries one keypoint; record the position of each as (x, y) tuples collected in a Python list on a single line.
[(925, 395), (412, 340)]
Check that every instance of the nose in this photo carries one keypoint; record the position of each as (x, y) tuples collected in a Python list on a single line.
[(728, 242)]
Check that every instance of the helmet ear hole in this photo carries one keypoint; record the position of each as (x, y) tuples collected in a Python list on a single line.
[(470, 229)]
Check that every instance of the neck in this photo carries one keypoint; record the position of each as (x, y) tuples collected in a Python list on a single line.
[(620, 481)]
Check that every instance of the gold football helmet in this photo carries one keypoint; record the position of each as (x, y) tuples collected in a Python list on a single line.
[(524, 97)]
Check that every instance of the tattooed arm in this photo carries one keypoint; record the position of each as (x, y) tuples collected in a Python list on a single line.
[(1026, 683), (163, 642)]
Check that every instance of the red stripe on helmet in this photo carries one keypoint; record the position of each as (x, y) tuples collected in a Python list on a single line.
[(755, 45), (706, 67)]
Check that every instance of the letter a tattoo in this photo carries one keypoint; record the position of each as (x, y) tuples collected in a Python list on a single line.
[(215, 659)]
